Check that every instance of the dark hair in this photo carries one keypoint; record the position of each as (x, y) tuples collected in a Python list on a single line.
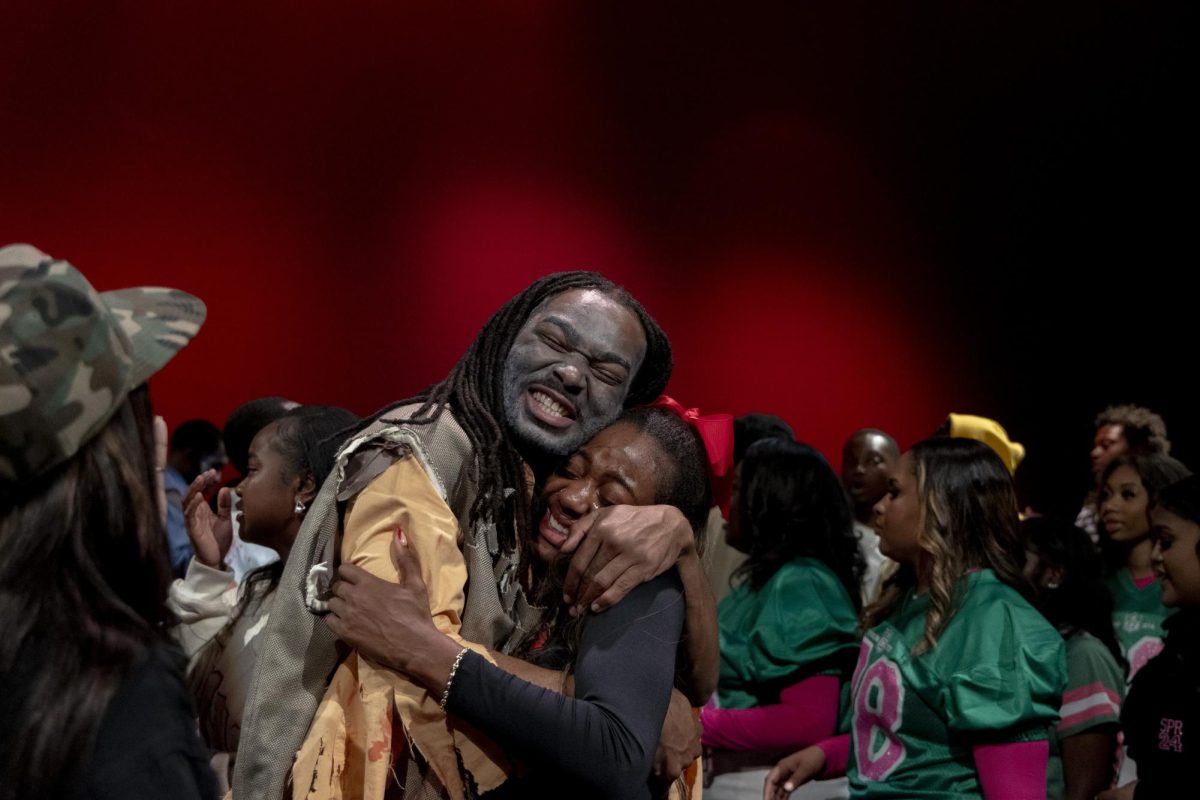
[(1182, 498), (246, 421), (474, 389), (196, 436), (1156, 471), (751, 428), (791, 505), (307, 438), (84, 578), (969, 521), (1144, 431), (1081, 601), (687, 487)]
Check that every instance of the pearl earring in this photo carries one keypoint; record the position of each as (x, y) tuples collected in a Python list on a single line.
[(300, 507)]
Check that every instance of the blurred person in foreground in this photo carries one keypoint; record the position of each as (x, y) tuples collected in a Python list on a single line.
[(94, 702)]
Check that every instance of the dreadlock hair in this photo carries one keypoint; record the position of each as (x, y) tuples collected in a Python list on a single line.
[(474, 388), (1081, 601), (968, 520), (791, 505)]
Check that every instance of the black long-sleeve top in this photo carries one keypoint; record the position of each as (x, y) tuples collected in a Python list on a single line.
[(1161, 716), (601, 742)]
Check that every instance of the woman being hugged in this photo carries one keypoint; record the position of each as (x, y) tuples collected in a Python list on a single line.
[(601, 741), (959, 678), (788, 632)]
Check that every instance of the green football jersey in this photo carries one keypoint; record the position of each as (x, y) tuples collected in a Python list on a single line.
[(801, 623), (1138, 616), (1092, 699), (996, 675)]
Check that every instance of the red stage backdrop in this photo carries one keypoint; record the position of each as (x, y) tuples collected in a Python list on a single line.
[(354, 191)]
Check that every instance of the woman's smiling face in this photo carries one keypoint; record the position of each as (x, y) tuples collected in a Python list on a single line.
[(619, 466), (1175, 558)]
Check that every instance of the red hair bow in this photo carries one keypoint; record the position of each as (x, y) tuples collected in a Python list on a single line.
[(716, 431)]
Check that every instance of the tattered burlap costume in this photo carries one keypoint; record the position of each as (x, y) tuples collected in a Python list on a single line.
[(299, 652)]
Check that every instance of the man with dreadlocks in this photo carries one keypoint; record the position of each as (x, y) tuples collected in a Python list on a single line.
[(551, 368)]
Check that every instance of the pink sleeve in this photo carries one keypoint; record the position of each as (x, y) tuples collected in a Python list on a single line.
[(837, 753), (806, 713), (1013, 770)]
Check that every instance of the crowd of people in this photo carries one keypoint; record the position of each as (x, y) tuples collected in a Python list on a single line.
[(541, 576)]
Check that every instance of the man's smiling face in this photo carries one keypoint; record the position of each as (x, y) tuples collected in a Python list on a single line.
[(569, 370)]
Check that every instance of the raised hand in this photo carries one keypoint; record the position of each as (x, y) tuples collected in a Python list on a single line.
[(211, 534)]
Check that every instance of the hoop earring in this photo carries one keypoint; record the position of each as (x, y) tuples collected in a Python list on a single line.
[(300, 508)]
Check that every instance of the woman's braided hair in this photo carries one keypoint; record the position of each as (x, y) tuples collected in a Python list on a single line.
[(474, 388)]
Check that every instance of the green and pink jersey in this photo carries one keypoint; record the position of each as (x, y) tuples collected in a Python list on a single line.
[(1138, 617), (996, 675)]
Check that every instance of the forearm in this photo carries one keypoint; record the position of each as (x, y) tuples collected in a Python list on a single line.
[(1087, 760), (1012, 770), (700, 651), (806, 714), (586, 741), (436, 657), (605, 739)]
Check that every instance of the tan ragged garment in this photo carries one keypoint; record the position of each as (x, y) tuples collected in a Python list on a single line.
[(349, 750)]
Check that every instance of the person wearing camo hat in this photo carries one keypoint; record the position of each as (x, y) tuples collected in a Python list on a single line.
[(94, 702)]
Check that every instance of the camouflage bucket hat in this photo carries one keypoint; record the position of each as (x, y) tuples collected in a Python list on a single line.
[(70, 355)]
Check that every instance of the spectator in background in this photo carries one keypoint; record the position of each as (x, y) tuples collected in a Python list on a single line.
[(1120, 430), (868, 457), (959, 679), (789, 630), (1128, 486), (1068, 582), (240, 429), (94, 703), (244, 424), (1162, 713), (196, 447), (721, 560), (221, 617)]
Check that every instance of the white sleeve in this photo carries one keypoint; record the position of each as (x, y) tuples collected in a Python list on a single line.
[(203, 600)]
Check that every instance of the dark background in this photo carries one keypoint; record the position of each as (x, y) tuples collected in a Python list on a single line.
[(848, 214)]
